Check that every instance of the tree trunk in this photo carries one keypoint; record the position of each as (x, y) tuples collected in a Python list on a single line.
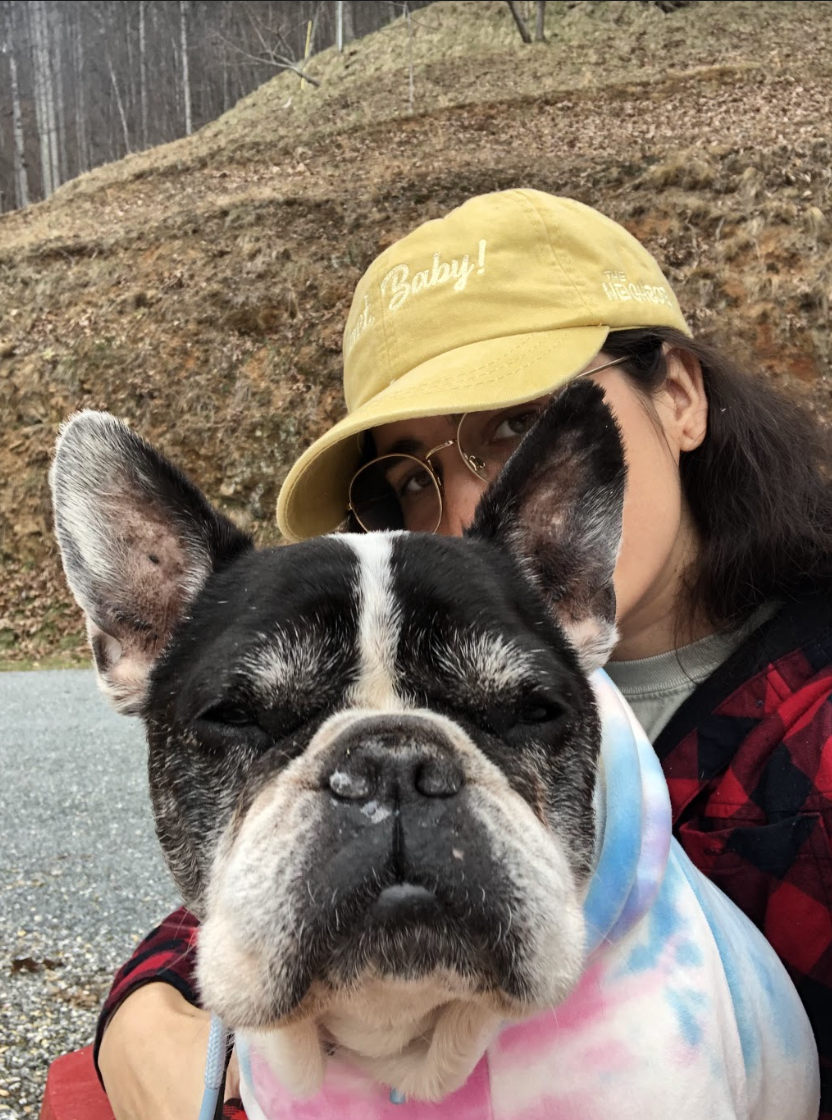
[(51, 106), (62, 164), (186, 79), (143, 71), (41, 63), (82, 141), (518, 19), (119, 101), (349, 21), (539, 30), (21, 175)]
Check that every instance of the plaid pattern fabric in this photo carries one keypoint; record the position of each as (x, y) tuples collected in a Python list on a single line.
[(748, 762)]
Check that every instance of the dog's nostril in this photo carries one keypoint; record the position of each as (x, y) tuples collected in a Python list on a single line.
[(349, 787), (438, 778)]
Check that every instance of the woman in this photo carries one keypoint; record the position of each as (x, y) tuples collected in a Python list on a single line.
[(457, 335)]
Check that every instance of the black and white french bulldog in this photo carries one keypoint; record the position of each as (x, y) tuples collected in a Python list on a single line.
[(372, 758), (374, 772)]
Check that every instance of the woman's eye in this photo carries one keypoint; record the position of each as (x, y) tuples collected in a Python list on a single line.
[(413, 484), (514, 427)]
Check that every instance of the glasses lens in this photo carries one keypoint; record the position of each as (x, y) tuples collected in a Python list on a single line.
[(488, 439), (396, 492)]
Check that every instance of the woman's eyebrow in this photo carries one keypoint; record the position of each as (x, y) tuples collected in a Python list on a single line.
[(416, 446), (404, 447)]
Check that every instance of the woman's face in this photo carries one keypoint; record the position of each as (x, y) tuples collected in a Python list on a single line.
[(659, 539)]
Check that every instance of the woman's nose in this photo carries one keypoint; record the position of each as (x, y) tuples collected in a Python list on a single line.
[(461, 492)]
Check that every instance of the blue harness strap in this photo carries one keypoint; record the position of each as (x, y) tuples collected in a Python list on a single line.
[(215, 1063)]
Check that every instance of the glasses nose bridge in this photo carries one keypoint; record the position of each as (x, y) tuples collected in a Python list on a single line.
[(428, 456), (439, 447), (474, 464)]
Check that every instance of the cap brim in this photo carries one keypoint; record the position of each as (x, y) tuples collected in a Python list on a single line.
[(483, 375)]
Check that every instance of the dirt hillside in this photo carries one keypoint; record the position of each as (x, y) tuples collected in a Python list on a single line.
[(199, 290)]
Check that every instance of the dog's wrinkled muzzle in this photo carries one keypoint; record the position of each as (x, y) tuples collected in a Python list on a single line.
[(396, 822)]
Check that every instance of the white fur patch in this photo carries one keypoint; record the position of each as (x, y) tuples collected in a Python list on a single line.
[(289, 660), (379, 624), (593, 639), (487, 662)]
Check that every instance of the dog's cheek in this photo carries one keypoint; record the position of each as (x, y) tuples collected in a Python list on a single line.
[(545, 932), (571, 785), (193, 796), (556, 781), (255, 958)]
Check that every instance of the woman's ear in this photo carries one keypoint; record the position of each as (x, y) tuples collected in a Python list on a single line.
[(685, 406)]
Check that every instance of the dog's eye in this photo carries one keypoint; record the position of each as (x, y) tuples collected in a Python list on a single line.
[(539, 711), (229, 715)]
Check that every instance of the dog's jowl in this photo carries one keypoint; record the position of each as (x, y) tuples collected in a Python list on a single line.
[(374, 766)]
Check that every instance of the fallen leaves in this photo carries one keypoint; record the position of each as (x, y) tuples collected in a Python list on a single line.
[(29, 964)]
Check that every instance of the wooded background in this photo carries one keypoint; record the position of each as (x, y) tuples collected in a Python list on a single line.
[(199, 289), (84, 82)]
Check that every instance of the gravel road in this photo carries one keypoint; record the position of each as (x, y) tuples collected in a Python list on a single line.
[(81, 878)]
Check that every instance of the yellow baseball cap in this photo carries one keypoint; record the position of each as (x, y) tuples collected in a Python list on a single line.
[(504, 299)]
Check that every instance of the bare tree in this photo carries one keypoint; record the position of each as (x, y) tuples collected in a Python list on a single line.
[(58, 100), (539, 29), (143, 69), (85, 81), (7, 46), (184, 5), (518, 19), (44, 97), (107, 15), (349, 21), (79, 86), (274, 49)]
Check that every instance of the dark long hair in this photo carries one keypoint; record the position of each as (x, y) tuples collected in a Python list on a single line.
[(758, 485)]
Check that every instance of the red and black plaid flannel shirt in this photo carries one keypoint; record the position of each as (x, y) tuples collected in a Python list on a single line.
[(748, 761)]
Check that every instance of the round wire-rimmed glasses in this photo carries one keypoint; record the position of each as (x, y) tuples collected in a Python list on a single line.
[(403, 490)]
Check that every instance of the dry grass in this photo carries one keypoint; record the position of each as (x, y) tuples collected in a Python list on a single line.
[(199, 289)]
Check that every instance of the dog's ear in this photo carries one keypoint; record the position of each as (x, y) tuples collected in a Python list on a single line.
[(557, 506), (137, 541)]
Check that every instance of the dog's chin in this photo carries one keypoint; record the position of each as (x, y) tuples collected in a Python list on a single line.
[(409, 999), (403, 933), (406, 932), (422, 1037), (399, 979)]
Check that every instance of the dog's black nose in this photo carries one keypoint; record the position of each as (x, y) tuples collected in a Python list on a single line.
[(389, 760)]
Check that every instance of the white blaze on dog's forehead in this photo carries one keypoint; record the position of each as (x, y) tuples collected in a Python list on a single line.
[(379, 623)]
